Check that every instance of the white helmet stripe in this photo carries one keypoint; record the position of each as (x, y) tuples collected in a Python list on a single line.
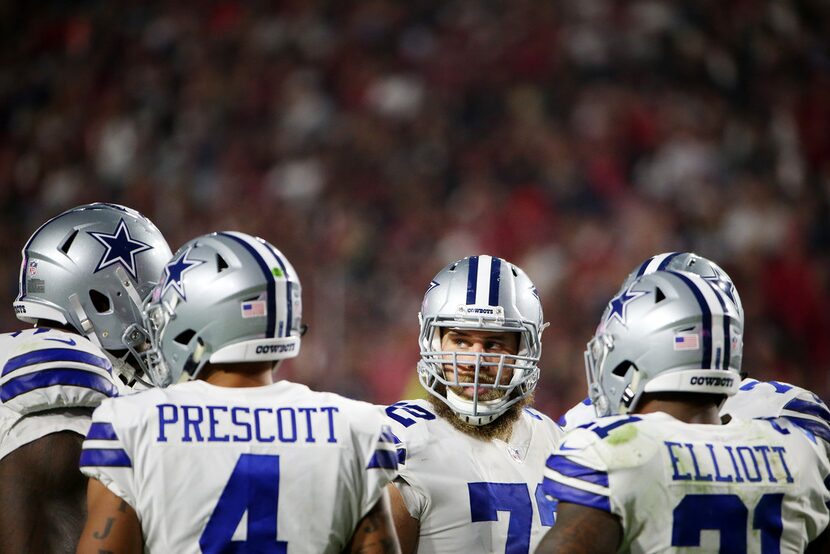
[(721, 362), (657, 263), (483, 280)]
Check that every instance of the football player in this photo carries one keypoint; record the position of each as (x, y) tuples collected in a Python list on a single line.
[(222, 458), (753, 398), (82, 281), (472, 455), (663, 473)]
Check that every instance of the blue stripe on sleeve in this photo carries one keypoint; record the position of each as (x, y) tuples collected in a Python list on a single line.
[(101, 430), (566, 493), (808, 408), (386, 435), (820, 430), (602, 431), (105, 457), (570, 468), (53, 377), (384, 459), (472, 278), (55, 355)]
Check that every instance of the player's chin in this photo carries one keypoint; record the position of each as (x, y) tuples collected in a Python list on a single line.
[(484, 394)]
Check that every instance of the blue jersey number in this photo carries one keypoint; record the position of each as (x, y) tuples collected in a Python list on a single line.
[(727, 514), (394, 412), (254, 486), (487, 499)]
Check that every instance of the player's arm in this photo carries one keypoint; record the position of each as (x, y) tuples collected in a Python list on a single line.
[(375, 533), (112, 525), (408, 528), (582, 530), (43, 494)]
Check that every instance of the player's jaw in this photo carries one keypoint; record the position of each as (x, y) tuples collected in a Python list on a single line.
[(486, 380)]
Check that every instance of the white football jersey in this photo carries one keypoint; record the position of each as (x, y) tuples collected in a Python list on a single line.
[(265, 469), (747, 486), (777, 399), (49, 381), (469, 494), (754, 399)]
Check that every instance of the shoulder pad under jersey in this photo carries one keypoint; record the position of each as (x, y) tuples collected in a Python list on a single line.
[(45, 369)]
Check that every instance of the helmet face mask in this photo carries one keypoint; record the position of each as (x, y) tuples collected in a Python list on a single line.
[(223, 298), (666, 332), (91, 268), (480, 294)]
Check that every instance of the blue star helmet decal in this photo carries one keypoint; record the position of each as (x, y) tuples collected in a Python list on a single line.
[(120, 247), (432, 285), (724, 285), (619, 303), (174, 273)]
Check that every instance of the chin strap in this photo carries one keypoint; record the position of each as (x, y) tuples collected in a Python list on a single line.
[(457, 403)]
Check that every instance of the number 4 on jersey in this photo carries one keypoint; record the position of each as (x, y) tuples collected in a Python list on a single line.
[(253, 487)]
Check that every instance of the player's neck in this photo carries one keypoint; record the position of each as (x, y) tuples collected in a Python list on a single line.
[(685, 411), (238, 375)]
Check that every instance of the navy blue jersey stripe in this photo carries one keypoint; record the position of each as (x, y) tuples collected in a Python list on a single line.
[(55, 355), (52, 377), (667, 260), (289, 305), (808, 408), (472, 278), (566, 493), (643, 266), (569, 468), (706, 313), (821, 430), (269, 279), (101, 430), (602, 431), (384, 459), (386, 435), (105, 457), (495, 277)]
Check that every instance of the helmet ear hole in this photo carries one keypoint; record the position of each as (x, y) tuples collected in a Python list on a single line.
[(622, 368), (185, 336), (100, 301), (659, 295), (221, 264), (68, 242)]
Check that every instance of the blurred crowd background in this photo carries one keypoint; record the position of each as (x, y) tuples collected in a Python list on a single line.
[(375, 141)]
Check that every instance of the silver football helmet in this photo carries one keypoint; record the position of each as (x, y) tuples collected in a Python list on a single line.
[(692, 263), (481, 293), (666, 331), (224, 297), (91, 268)]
